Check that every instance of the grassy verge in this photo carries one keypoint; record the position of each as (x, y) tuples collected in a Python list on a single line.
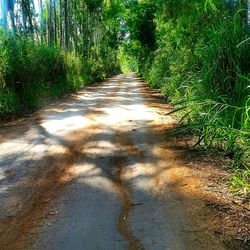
[(31, 72), (202, 65)]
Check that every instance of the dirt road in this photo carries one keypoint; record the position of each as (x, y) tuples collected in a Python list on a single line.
[(92, 172)]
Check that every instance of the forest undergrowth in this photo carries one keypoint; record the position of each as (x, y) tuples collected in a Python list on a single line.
[(53, 49), (197, 53), (30, 72)]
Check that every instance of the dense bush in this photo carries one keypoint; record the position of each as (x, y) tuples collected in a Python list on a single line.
[(30, 71), (202, 64)]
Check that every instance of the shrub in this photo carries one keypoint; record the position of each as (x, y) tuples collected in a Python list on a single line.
[(202, 64)]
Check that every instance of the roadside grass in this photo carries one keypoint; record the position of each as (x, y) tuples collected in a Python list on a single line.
[(202, 66), (31, 72), (220, 127)]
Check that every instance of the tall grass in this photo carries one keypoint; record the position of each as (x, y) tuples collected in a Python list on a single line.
[(30, 72), (203, 65)]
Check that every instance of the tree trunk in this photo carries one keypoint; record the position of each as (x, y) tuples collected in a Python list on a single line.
[(55, 23), (50, 28), (66, 24), (41, 20)]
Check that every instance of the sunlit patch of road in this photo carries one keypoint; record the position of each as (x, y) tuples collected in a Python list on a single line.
[(94, 162)]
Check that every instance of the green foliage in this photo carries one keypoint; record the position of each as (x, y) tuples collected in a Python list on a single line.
[(202, 63), (30, 72), (240, 181), (128, 63), (56, 51), (94, 5), (8, 102)]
